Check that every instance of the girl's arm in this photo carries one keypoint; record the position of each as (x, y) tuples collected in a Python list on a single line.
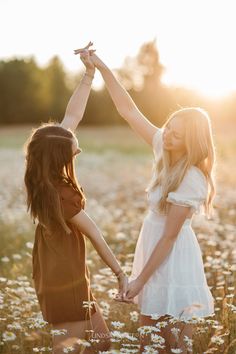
[(174, 221), (78, 101), (124, 103), (88, 227)]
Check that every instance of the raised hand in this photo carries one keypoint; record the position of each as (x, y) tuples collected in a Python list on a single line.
[(85, 56), (97, 62), (86, 48)]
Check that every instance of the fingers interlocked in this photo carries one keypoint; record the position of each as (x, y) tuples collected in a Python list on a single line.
[(85, 50)]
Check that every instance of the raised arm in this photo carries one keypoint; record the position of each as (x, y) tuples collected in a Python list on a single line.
[(78, 101), (124, 103), (88, 227)]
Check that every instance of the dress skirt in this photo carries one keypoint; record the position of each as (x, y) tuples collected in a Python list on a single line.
[(178, 287)]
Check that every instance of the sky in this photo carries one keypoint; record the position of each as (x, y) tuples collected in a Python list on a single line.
[(195, 38)]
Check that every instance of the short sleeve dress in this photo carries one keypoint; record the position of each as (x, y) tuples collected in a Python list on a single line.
[(60, 273), (178, 287)]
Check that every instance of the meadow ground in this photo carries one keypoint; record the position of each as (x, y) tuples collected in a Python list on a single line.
[(114, 169)]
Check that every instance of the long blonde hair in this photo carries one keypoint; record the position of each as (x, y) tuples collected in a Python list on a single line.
[(200, 152), (49, 161)]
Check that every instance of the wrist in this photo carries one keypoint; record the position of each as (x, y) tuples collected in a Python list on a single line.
[(140, 281), (87, 79), (119, 274), (90, 72)]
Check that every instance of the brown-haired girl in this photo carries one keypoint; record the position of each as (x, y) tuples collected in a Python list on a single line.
[(57, 201)]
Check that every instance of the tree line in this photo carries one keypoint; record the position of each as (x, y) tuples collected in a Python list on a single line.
[(32, 94)]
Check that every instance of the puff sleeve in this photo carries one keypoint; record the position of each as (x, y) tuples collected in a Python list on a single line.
[(71, 201), (192, 191), (157, 143)]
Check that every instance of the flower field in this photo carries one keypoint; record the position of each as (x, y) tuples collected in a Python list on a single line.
[(114, 169)]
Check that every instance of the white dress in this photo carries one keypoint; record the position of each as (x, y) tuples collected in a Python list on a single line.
[(178, 287)]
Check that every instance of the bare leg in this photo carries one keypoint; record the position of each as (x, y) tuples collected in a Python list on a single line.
[(146, 340), (100, 333), (77, 330), (183, 329)]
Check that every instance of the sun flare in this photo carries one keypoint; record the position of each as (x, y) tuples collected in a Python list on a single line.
[(195, 39)]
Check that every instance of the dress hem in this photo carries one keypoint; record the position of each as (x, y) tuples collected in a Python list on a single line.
[(191, 318)]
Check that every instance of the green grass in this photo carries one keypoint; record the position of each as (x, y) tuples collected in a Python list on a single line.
[(116, 138), (91, 139)]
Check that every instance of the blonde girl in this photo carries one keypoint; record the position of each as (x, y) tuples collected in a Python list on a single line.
[(168, 279)]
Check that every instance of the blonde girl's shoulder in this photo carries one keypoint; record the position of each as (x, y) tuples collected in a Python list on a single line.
[(196, 177), (192, 191), (195, 171)]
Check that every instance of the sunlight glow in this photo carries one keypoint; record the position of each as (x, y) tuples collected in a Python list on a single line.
[(212, 87), (195, 39)]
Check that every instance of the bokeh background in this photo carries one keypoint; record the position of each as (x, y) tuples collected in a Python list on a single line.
[(168, 54)]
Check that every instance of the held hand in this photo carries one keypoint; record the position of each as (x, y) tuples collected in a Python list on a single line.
[(85, 56), (134, 288), (97, 62), (123, 286)]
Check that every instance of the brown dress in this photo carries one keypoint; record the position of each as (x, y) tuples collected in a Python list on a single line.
[(60, 274)]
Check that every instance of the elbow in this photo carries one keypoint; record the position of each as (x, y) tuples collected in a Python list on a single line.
[(122, 112), (125, 113)]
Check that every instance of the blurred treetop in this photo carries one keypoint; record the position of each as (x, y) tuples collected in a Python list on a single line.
[(31, 94)]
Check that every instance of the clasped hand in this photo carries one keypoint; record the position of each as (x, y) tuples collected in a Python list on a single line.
[(85, 56), (89, 58), (128, 290)]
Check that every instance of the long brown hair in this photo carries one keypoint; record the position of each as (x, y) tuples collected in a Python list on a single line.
[(49, 161), (200, 152)]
